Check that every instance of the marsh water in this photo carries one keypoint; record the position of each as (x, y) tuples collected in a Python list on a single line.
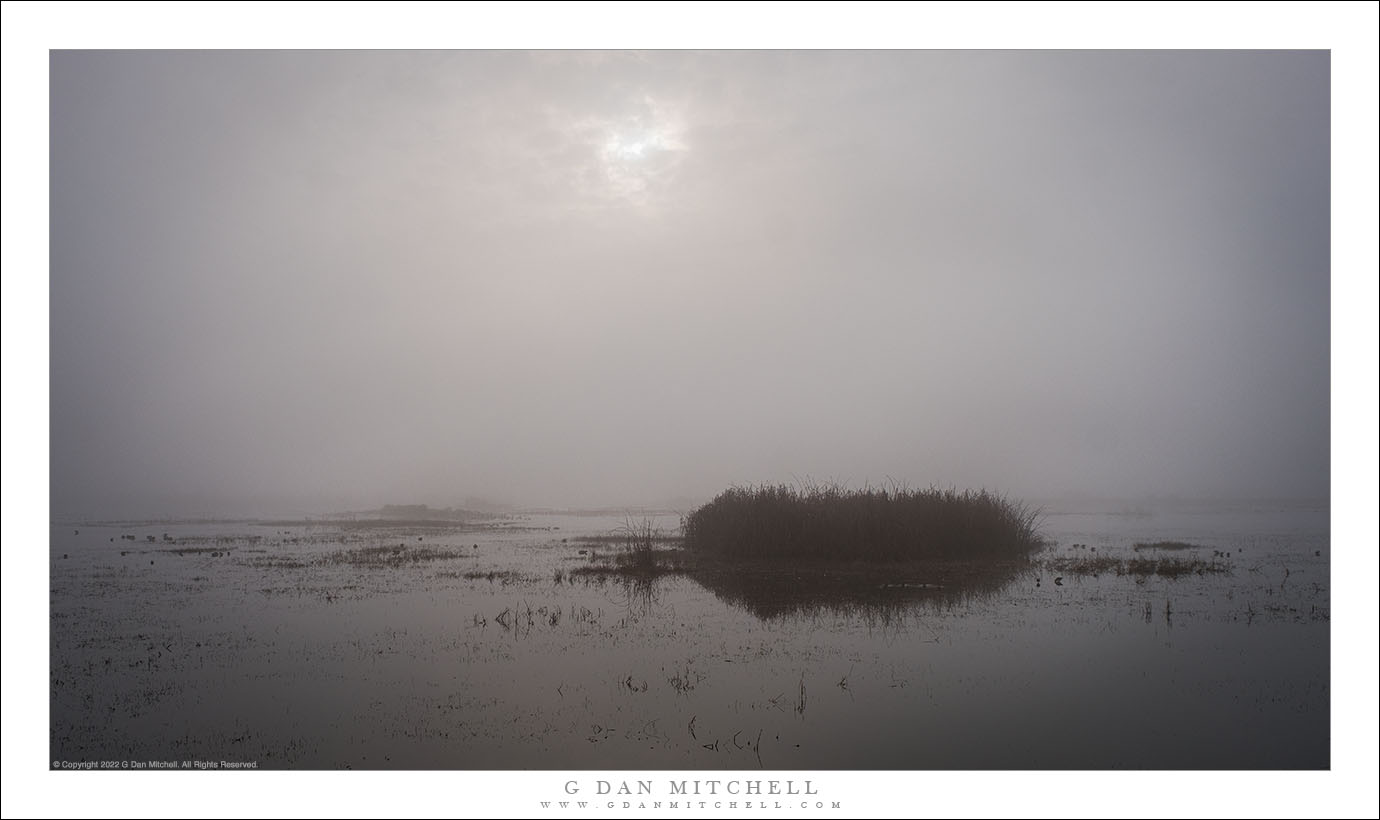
[(437, 645)]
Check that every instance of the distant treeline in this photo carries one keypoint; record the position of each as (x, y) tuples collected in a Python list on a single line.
[(831, 523)]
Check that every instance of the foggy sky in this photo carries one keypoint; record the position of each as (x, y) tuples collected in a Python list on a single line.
[(328, 280)]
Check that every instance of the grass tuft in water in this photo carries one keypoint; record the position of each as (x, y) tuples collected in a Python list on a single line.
[(639, 538), (828, 522)]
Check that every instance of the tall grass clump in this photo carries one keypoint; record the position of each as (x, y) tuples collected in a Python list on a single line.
[(639, 537), (827, 522)]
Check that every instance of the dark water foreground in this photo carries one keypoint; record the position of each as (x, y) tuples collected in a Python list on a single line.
[(296, 646)]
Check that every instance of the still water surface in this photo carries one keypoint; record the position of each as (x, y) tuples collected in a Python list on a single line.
[(455, 648)]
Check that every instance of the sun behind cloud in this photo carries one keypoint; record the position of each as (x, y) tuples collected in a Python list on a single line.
[(635, 154)]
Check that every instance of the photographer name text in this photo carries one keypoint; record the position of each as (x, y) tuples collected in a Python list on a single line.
[(703, 794)]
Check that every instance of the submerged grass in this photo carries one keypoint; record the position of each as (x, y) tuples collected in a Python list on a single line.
[(629, 563), (1141, 567), (381, 556), (502, 576), (617, 538), (1175, 567), (1165, 545), (827, 522)]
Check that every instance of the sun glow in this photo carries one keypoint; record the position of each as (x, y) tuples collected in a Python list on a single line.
[(626, 148), (637, 154)]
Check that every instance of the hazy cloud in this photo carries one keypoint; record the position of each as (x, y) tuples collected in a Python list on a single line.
[(324, 279)]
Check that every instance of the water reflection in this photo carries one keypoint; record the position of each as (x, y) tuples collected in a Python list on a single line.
[(640, 592), (774, 592), (524, 654)]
